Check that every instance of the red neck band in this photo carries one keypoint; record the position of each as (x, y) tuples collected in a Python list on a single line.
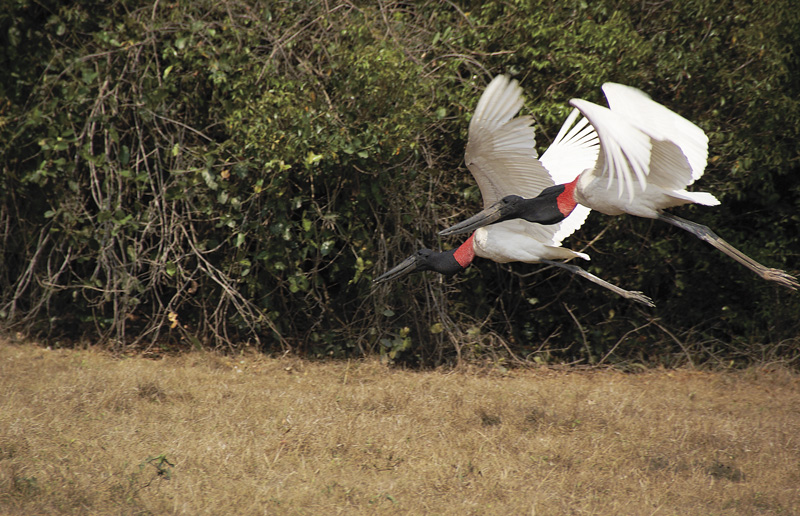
[(465, 253), (566, 200)]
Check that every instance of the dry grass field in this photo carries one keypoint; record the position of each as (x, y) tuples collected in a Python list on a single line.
[(82, 432)]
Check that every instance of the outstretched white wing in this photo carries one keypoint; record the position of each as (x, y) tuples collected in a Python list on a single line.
[(574, 150), (501, 150), (680, 148), (624, 157)]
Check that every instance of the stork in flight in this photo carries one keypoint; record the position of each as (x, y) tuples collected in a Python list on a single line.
[(648, 156), (501, 155)]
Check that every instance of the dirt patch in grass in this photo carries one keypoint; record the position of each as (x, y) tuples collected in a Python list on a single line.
[(85, 433)]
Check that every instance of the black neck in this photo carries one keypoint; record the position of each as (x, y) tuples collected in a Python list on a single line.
[(543, 209), (442, 262)]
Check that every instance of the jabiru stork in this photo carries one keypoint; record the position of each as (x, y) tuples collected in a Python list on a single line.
[(501, 156), (648, 156)]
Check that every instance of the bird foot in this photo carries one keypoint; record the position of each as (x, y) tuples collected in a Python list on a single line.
[(639, 297), (779, 276)]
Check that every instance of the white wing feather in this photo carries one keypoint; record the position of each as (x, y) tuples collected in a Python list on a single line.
[(625, 158), (574, 150), (501, 152), (663, 124)]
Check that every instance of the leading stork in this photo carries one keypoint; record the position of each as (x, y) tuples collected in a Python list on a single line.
[(501, 155), (648, 156)]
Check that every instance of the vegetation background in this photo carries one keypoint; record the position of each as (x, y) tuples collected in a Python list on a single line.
[(229, 174)]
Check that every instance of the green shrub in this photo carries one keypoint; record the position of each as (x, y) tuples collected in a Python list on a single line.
[(228, 174)]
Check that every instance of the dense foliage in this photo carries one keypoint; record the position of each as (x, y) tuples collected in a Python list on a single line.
[(235, 173)]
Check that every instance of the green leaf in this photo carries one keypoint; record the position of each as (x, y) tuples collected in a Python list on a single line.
[(124, 155), (326, 247), (312, 158)]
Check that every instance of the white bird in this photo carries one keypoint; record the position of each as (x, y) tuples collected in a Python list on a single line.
[(502, 157), (648, 156)]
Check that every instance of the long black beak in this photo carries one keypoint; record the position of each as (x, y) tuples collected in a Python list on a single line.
[(407, 266), (494, 213)]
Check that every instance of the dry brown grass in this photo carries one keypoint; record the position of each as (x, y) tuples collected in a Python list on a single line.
[(84, 433)]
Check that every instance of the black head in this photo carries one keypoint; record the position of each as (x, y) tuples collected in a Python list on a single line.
[(542, 209), (423, 260)]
